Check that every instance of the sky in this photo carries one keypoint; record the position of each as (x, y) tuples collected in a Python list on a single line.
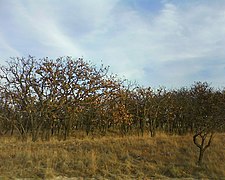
[(170, 43)]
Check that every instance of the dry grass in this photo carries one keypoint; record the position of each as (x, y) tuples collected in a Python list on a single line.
[(130, 157)]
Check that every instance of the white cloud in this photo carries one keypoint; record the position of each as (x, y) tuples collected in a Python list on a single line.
[(175, 34), (137, 45), (6, 50), (130, 41), (45, 30)]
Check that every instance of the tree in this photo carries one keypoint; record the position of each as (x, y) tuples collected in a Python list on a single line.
[(46, 96), (15, 83), (207, 107)]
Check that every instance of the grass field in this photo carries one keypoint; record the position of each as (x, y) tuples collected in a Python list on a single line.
[(130, 157)]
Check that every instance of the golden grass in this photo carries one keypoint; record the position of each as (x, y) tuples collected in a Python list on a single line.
[(130, 157)]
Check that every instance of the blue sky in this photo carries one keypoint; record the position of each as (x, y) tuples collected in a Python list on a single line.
[(168, 43)]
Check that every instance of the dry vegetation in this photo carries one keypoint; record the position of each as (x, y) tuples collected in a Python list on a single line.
[(99, 117), (129, 157)]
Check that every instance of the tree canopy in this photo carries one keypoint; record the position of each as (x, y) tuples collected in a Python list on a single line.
[(45, 98)]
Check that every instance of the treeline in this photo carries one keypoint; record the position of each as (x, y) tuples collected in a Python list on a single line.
[(47, 98)]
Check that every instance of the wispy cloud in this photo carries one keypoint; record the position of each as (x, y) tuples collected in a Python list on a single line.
[(164, 43), (6, 50)]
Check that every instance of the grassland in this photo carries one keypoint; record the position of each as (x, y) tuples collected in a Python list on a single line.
[(130, 157)]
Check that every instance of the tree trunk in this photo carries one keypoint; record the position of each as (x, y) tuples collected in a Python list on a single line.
[(202, 147)]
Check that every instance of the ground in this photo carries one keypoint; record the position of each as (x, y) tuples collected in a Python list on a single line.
[(129, 157)]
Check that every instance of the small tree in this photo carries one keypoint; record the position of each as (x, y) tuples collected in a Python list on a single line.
[(207, 107), (205, 137)]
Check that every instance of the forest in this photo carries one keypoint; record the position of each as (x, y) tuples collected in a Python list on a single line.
[(44, 98)]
